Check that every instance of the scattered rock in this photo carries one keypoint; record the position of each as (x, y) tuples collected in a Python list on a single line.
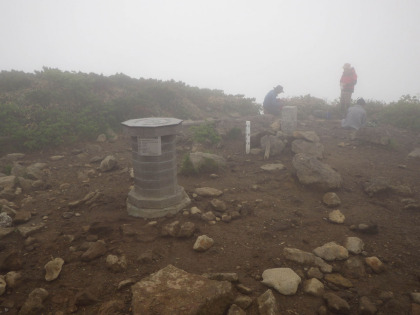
[(336, 304), (331, 251), (311, 171), (96, 249), (201, 160), (415, 296), (365, 228), (336, 216), (5, 220), (236, 310), (366, 306), (272, 167), (331, 199), (34, 302), (314, 272), (315, 149), (354, 268), (374, 263), (108, 164), (284, 280), (172, 290), (125, 283), (354, 245), (115, 263), (203, 243), (29, 230), (243, 301), (113, 307), (338, 280), (267, 304), (415, 154), (3, 285), (313, 287), (299, 256), (218, 205), (53, 269), (21, 217), (208, 192), (13, 279)]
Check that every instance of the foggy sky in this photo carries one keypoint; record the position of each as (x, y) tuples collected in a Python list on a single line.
[(238, 46)]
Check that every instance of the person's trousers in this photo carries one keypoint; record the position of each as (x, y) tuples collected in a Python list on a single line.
[(345, 102)]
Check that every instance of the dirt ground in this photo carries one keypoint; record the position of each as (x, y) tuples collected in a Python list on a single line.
[(277, 212)]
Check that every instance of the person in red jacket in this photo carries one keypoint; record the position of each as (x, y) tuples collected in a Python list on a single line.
[(347, 82)]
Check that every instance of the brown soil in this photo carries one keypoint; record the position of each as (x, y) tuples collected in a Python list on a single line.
[(277, 212)]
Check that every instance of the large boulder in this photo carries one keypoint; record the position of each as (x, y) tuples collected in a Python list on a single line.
[(174, 291), (202, 161), (311, 148), (7, 186), (273, 144), (311, 171)]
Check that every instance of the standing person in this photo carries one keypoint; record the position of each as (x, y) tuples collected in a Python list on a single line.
[(347, 82), (272, 105), (356, 116)]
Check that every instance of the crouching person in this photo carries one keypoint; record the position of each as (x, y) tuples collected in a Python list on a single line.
[(356, 116)]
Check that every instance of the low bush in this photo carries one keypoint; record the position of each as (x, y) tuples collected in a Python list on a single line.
[(403, 114), (205, 134)]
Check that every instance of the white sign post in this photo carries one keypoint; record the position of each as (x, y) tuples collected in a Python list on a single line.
[(248, 137)]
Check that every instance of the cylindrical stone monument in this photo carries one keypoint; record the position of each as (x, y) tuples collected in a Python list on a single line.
[(156, 192), (288, 119)]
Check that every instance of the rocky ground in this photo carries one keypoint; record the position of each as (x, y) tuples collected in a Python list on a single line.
[(67, 245)]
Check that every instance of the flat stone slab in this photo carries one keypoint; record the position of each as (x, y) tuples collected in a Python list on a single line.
[(175, 291)]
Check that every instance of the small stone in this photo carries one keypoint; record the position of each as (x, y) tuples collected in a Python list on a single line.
[(314, 272), (366, 307), (313, 287), (338, 280), (374, 263), (284, 280), (336, 216), (125, 283), (195, 210), (354, 245), (203, 243), (53, 269), (415, 296), (336, 304), (331, 199)]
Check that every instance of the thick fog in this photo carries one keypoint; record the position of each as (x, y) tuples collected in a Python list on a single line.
[(238, 46)]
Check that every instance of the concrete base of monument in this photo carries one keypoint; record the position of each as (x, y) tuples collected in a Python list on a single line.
[(138, 207)]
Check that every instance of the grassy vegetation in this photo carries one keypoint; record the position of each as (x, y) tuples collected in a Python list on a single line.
[(205, 134), (51, 107), (403, 114)]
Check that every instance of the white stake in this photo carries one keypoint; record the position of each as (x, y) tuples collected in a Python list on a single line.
[(248, 136)]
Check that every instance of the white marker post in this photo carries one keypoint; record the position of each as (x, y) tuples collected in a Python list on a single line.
[(248, 136)]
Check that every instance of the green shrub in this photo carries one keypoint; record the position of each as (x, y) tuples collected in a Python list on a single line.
[(403, 114), (205, 134), (7, 169)]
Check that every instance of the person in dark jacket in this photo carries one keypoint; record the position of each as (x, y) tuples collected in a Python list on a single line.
[(347, 82), (272, 105)]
